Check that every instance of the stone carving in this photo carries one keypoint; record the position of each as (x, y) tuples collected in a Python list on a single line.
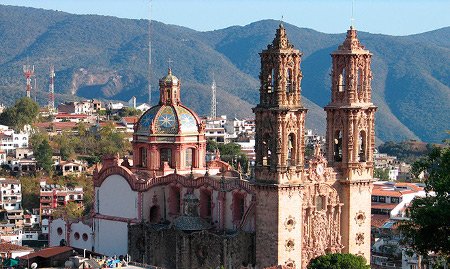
[(317, 235), (290, 264), (290, 222), (289, 244), (360, 217), (359, 238)]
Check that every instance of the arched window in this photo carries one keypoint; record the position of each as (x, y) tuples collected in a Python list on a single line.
[(143, 156), (341, 85), (154, 214), (266, 150), (205, 204), (359, 78), (362, 146), (272, 81), (291, 150), (289, 81), (165, 155), (338, 146), (189, 157), (175, 200), (238, 207)]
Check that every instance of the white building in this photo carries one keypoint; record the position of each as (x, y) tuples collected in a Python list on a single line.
[(11, 194), (10, 140)]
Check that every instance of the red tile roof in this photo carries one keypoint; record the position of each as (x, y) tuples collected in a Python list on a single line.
[(378, 220), (130, 119), (8, 247), (71, 116), (56, 125), (383, 206), (47, 252)]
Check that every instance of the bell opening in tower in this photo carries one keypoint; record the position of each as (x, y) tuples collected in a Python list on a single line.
[(266, 153), (342, 76), (289, 84), (291, 150), (338, 146), (362, 146), (272, 81), (359, 78)]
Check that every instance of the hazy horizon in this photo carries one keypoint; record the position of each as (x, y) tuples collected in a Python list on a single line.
[(379, 17)]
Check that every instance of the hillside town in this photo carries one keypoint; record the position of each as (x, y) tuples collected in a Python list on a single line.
[(49, 211), (99, 173)]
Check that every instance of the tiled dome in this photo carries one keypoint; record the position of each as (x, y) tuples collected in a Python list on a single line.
[(168, 119)]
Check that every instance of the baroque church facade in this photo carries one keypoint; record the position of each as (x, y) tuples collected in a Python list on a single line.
[(171, 208)]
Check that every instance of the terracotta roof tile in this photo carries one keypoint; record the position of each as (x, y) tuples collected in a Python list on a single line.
[(47, 252), (383, 206), (8, 247), (378, 220)]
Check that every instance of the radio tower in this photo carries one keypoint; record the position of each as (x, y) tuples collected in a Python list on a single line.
[(213, 100), (28, 71), (51, 89), (150, 55)]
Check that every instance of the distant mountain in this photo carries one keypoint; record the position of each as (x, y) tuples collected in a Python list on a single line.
[(106, 57)]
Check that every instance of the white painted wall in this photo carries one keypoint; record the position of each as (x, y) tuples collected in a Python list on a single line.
[(81, 229), (116, 198), (55, 238), (111, 237), (16, 254)]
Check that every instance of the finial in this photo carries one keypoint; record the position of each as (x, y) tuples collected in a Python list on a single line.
[(352, 19), (169, 62), (169, 71), (281, 22)]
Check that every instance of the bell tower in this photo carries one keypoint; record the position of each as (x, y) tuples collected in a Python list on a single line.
[(280, 115), (279, 170), (351, 139)]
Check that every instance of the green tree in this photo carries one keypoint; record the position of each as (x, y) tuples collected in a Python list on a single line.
[(71, 210), (24, 111), (129, 111), (428, 227), (380, 173), (230, 153), (111, 142), (43, 155), (30, 192), (66, 144), (338, 261)]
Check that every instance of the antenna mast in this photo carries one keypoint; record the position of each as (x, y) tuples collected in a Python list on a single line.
[(28, 71), (352, 19), (213, 99), (150, 55), (51, 89)]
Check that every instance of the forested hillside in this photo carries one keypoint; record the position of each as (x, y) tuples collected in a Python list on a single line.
[(106, 57)]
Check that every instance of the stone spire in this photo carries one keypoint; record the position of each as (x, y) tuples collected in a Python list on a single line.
[(280, 41), (351, 42)]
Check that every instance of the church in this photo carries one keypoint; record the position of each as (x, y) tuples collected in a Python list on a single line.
[(171, 208)]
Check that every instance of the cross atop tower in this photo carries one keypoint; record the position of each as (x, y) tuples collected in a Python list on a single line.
[(169, 63)]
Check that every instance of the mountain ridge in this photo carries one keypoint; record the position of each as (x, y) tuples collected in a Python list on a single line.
[(106, 57)]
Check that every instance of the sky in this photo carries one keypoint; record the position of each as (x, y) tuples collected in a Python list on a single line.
[(393, 17)]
